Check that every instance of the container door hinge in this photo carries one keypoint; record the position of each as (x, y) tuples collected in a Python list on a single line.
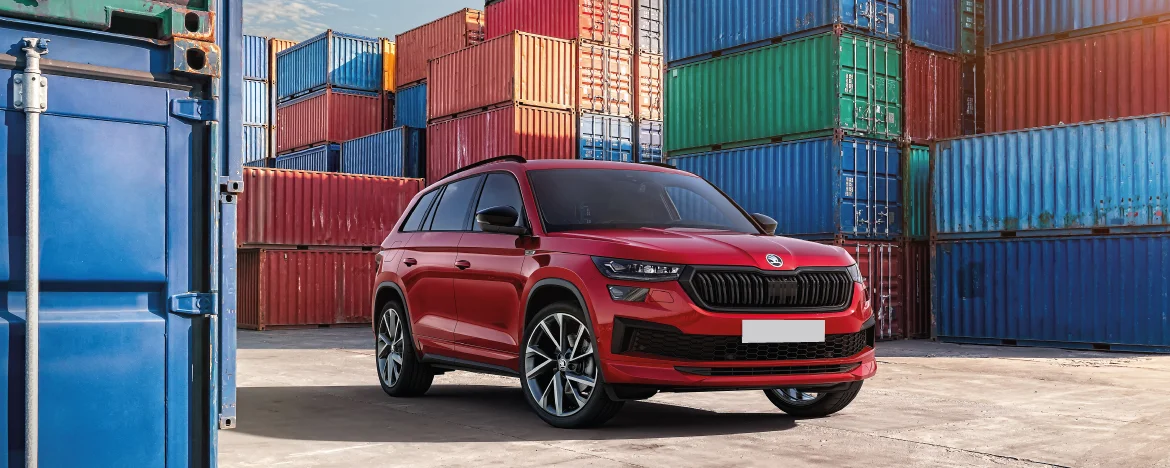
[(193, 303), (202, 110)]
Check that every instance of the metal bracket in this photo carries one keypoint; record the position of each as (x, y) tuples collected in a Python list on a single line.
[(193, 303), (226, 185), (37, 99), (194, 109)]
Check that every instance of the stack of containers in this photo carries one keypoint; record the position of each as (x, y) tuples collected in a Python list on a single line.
[(798, 115), (308, 242), (603, 38), (329, 90), (420, 45), (389, 63), (257, 102), (275, 46), (648, 87), (1053, 230)]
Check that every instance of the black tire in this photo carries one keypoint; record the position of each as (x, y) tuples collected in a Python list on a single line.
[(415, 377), (825, 403), (599, 408)]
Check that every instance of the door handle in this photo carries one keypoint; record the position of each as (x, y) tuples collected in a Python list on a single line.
[(462, 264), (409, 262)]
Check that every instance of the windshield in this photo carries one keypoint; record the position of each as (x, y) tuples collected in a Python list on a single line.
[(576, 199)]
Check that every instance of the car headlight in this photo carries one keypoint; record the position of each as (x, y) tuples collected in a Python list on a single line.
[(634, 270), (855, 274)]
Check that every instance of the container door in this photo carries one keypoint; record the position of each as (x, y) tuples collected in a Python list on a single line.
[(870, 189), (124, 374)]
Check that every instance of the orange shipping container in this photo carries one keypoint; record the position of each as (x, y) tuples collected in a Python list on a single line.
[(389, 59), (531, 132), (606, 81), (605, 22), (648, 91), (517, 68), (303, 288), (435, 39)]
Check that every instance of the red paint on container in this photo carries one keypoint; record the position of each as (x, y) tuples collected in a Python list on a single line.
[(606, 80), (298, 288), (440, 37), (327, 116), (933, 99), (302, 208), (605, 22), (531, 132), (649, 88), (1112, 75), (518, 68), (917, 280), (881, 264)]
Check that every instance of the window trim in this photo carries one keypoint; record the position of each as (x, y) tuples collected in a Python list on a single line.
[(430, 221), (523, 212)]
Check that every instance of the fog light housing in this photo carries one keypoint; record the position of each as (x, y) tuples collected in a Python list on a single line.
[(628, 294)]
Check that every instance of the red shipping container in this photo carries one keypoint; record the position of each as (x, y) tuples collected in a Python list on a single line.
[(606, 22), (881, 264), (917, 280), (518, 68), (606, 81), (1123, 73), (327, 116), (298, 288), (531, 132), (440, 37), (933, 100), (649, 86), (302, 208)]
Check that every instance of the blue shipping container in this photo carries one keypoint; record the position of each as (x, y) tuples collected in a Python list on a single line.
[(1072, 292), (256, 139), (331, 59), (934, 24), (255, 55), (266, 162), (1055, 180), (818, 188), (410, 106), (257, 105), (136, 318), (1023, 20), (606, 138), (650, 141), (398, 152), (695, 29), (324, 158)]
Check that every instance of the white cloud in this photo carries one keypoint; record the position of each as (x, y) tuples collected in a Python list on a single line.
[(287, 19)]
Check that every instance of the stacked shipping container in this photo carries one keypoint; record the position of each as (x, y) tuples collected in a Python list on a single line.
[(257, 91)]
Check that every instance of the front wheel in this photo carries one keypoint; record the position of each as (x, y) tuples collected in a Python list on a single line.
[(811, 404)]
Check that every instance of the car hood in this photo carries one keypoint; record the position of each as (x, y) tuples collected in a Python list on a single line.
[(706, 247)]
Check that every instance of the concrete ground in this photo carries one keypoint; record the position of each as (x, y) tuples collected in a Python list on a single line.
[(310, 398)]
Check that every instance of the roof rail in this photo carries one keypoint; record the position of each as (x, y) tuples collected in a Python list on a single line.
[(509, 158)]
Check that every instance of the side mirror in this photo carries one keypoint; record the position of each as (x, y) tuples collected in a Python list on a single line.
[(766, 222), (500, 219)]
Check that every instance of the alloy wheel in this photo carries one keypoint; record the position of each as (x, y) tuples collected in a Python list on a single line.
[(560, 372), (391, 343), (796, 397)]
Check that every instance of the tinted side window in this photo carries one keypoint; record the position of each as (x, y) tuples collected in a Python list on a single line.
[(414, 221), (454, 210), (500, 190)]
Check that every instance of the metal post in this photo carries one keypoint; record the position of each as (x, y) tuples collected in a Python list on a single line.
[(31, 91)]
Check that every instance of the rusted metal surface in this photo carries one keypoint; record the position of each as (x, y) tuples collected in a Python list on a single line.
[(289, 288), (450, 33), (649, 90), (327, 116), (531, 132), (603, 22), (196, 57), (881, 264), (933, 99)]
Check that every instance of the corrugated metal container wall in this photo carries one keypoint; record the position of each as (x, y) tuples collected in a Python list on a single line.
[(259, 163), (1021, 20), (801, 87), (324, 158), (255, 56), (606, 138), (649, 25), (410, 106), (934, 24), (650, 141), (450, 33), (276, 46), (1079, 292), (531, 132), (916, 281), (882, 264), (255, 143), (283, 288), (331, 59), (971, 27), (1107, 76), (606, 22), (392, 153), (1071, 179), (299, 208), (257, 106), (606, 82), (974, 95), (933, 101), (697, 28), (518, 68), (815, 188), (329, 115), (916, 192), (649, 88), (389, 59)]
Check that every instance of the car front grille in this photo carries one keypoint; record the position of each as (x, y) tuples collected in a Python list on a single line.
[(756, 290), (673, 344), (765, 371)]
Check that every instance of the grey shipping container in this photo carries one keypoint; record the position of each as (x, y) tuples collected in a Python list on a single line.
[(410, 106), (649, 25), (255, 54), (606, 138), (650, 141), (324, 158), (398, 152)]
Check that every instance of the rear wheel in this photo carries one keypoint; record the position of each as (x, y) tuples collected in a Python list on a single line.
[(399, 369), (812, 404)]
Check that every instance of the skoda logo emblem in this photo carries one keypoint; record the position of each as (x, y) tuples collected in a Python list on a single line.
[(774, 260)]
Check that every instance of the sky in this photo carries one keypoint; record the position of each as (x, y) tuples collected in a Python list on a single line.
[(301, 19)]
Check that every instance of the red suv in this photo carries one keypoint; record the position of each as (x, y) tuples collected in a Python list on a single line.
[(596, 283)]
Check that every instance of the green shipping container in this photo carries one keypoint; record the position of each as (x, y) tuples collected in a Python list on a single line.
[(796, 89), (916, 180)]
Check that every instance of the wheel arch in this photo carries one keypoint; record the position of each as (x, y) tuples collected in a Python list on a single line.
[(552, 290), (388, 291)]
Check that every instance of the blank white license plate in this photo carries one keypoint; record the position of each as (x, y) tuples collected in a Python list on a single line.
[(783, 331)]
